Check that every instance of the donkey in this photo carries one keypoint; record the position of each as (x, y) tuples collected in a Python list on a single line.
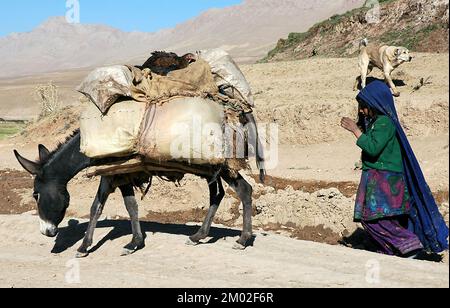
[(54, 170)]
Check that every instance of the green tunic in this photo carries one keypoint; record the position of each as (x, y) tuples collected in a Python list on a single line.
[(381, 149)]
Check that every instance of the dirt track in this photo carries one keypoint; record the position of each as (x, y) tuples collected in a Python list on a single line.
[(273, 261)]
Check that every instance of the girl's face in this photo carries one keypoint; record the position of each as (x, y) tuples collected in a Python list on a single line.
[(366, 112)]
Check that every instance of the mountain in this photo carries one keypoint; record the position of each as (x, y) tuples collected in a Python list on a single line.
[(247, 31), (420, 25)]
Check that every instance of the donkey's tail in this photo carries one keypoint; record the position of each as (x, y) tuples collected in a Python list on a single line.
[(259, 149)]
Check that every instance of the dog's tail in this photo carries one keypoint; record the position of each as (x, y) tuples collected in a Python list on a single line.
[(364, 43)]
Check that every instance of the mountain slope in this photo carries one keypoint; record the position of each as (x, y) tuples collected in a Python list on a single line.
[(420, 25), (247, 31)]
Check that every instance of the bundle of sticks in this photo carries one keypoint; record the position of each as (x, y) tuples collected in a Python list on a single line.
[(140, 164)]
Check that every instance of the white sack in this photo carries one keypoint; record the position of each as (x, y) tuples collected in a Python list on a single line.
[(105, 85), (112, 135), (187, 129), (227, 73)]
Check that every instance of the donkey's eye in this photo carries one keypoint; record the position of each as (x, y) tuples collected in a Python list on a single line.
[(36, 196)]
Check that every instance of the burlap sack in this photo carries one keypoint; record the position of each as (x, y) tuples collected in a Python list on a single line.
[(194, 81)]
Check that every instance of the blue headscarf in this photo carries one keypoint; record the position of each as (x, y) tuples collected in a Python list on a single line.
[(425, 219)]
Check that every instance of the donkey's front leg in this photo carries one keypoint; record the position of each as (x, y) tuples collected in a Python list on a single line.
[(131, 204), (104, 190), (216, 194)]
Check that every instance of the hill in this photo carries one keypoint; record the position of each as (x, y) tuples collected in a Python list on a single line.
[(420, 25)]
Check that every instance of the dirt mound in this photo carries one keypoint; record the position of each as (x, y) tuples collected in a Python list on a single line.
[(348, 189), (328, 208), (318, 234), (15, 190), (54, 127)]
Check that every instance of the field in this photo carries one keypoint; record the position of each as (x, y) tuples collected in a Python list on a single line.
[(8, 129)]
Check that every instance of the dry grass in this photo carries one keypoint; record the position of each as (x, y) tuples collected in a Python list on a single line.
[(49, 102)]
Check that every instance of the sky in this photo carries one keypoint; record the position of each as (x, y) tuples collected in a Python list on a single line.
[(127, 15)]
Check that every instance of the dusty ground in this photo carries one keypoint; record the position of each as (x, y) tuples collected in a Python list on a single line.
[(309, 196), (273, 261)]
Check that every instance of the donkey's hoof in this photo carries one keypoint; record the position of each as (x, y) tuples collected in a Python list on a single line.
[(190, 242), (239, 246), (127, 252), (81, 255), (132, 248)]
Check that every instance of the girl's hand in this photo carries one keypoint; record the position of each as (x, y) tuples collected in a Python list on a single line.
[(351, 126)]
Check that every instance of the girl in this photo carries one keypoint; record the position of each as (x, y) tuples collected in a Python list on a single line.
[(394, 203)]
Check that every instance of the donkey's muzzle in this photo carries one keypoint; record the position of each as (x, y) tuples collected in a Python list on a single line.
[(48, 229), (51, 233)]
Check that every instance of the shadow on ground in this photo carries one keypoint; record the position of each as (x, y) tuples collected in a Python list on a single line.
[(74, 233), (360, 240), (397, 82)]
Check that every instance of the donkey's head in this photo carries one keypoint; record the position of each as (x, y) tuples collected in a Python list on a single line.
[(50, 192)]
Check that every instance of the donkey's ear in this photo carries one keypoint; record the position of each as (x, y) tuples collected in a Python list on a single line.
[(28, 165), (44, 153)]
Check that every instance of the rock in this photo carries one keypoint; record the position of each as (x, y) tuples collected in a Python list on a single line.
[(270, 190)]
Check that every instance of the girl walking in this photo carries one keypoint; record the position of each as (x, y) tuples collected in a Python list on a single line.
[(394, 203)]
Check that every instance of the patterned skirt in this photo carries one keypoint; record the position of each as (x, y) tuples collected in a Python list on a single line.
[(381, 194)]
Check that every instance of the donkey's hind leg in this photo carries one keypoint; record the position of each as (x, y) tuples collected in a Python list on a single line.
[(216, 194), (104, 190), (244, 191), (132, 206)]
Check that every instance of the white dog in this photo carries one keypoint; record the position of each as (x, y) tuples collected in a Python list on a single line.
[(386, 58)]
